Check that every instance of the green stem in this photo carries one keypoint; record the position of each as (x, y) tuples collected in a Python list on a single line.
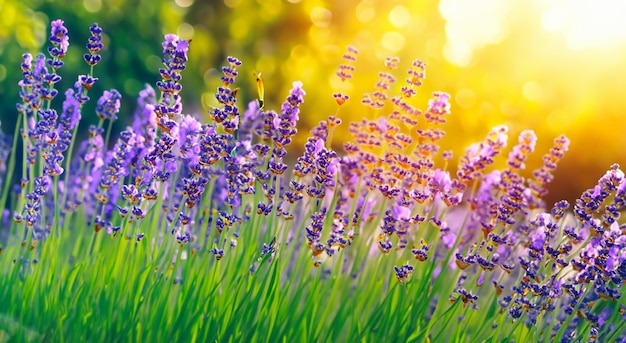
[(11, 167), (108, 135), (68, 164), (55, 192)]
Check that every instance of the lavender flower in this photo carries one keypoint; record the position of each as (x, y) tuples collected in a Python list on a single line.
[(416, 74), (60, 42), (285, 123), (403, 273), (109, 105), (94, 45)]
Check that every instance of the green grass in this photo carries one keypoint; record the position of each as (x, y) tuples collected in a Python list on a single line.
[(119, 292)]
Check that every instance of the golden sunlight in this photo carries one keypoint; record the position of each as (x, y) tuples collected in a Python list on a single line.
[(553, 66), (587, 23), (582, 24)]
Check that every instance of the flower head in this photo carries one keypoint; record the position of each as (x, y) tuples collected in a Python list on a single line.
[(60, 42), (94, 45), (109, 105), (403, 273)]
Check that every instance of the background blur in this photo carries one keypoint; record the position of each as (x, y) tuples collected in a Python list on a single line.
[(552, 66)]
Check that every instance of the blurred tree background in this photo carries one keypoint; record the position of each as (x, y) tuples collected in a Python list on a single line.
[(555, 66)]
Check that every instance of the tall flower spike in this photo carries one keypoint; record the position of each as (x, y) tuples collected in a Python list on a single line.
[(417, 73), (517, 156), (94, 45), (60, 42), (543, 176), (285, 123), (345, 73), (170, 108), (479, 155), (376, 99), (227, 114), (345, 70)]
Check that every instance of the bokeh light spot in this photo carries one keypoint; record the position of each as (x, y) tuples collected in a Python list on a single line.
[(399, 16), (232, 3), (336, 84), (465, 98), (185, 31), (457, 53), (271, 9), (321, 17), (365, 11), (184, 3), (594, 23), (471, 25), (392, 41), (299, 51), (92, 6), (532, 91)]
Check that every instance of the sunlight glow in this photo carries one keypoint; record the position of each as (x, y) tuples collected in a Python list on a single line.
[(582, 24), (472, 25), (365, 11), (321, 17), (399, 16), (592, 23)]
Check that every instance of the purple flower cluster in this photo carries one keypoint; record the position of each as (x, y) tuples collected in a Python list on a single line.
[(60, 42), (94, 45), (404, 273), (109, 105), (416, 74), (44, 139), (169, 176)]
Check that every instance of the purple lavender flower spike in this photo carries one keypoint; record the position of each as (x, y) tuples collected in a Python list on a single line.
[(94, 45), (109, 105), (60, 42)]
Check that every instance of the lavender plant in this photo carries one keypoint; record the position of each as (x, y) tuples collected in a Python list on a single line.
[(179, 230)]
